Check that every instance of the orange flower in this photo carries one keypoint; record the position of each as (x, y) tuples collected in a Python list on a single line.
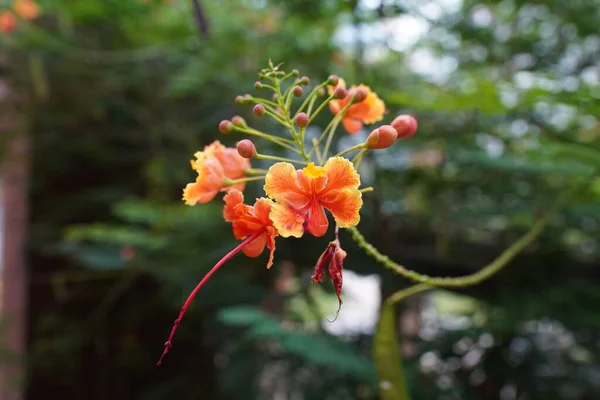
[(303, 195), (367, 111), (247, 220), (8, 22), (26, 9), (210, 180), (214, 165)]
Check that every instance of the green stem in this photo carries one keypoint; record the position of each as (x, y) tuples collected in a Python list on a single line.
[(312, 96), (319, 109), (275, 158), (386, 350), (351, 149), (484, 273), (277, 140), (330, 137), (255, 171), (358, 158), (230, 182)]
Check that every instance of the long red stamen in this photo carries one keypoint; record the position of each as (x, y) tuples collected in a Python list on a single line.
[(199, 286)]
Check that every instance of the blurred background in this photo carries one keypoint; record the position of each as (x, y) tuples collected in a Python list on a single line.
[(103, 103)]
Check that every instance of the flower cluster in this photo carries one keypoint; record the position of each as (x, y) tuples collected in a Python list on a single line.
[(25, 9), (300, 191)]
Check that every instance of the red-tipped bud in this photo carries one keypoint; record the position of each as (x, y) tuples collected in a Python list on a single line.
[(239, 100), (295, 72), (321, 92), (225, 126), (239, 122), (302, 120), (258, 85), (406, 126), (297, 90), (382, 137), (333, 80), (304, 80), (246, 148), (259, 110), (339, 93), (359, 95)]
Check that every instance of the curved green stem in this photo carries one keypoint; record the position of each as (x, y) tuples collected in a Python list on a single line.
[(484, 273), (351, 149), (392, 384), (275, 158), (319, 109), (230, 182)]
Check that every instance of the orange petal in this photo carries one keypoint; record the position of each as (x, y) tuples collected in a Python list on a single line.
[(231, 199), (280, 180), (262, 209), (271, 234), (233, 164), (317, 220), (26, 9), (208, 183), (352, 126), (341, 174), (255, 247), (345, 207), (287, 221)]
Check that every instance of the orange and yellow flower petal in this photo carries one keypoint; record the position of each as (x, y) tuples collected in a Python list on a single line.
[(345, 207), (287, 221), (351, 125), (341, 174), (262, 209), (280, 181), (209, 182)]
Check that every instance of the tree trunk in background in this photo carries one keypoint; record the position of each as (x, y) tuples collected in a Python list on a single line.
[(14, 194)]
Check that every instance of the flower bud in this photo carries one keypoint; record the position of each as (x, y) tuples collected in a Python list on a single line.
[(302, 120), (258, 85), (339, 93), (295, 72), (274, 97), (297, 90), (359, 95), (382, 137), (321, 92), (405, 125), (239, 100), (246, 148), (225, 126), (304, 80), (333, 80), (259, 110), (239, 122)]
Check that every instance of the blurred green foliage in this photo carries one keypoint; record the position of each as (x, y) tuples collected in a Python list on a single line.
[(119, 95)]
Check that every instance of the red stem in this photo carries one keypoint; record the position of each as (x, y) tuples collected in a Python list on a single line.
[(199, 286)]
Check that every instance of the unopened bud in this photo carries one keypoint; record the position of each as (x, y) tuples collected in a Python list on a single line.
[(295, 72), (333, 80), (258, 85), (239, 100), (304, 80), (359, 95), (225, 126), (246, 148), (259, 110), (274, 97), (321, 92), (297, 90), (382, 137), (302, 120), (239, 122), (339, 93), (406, 126)]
